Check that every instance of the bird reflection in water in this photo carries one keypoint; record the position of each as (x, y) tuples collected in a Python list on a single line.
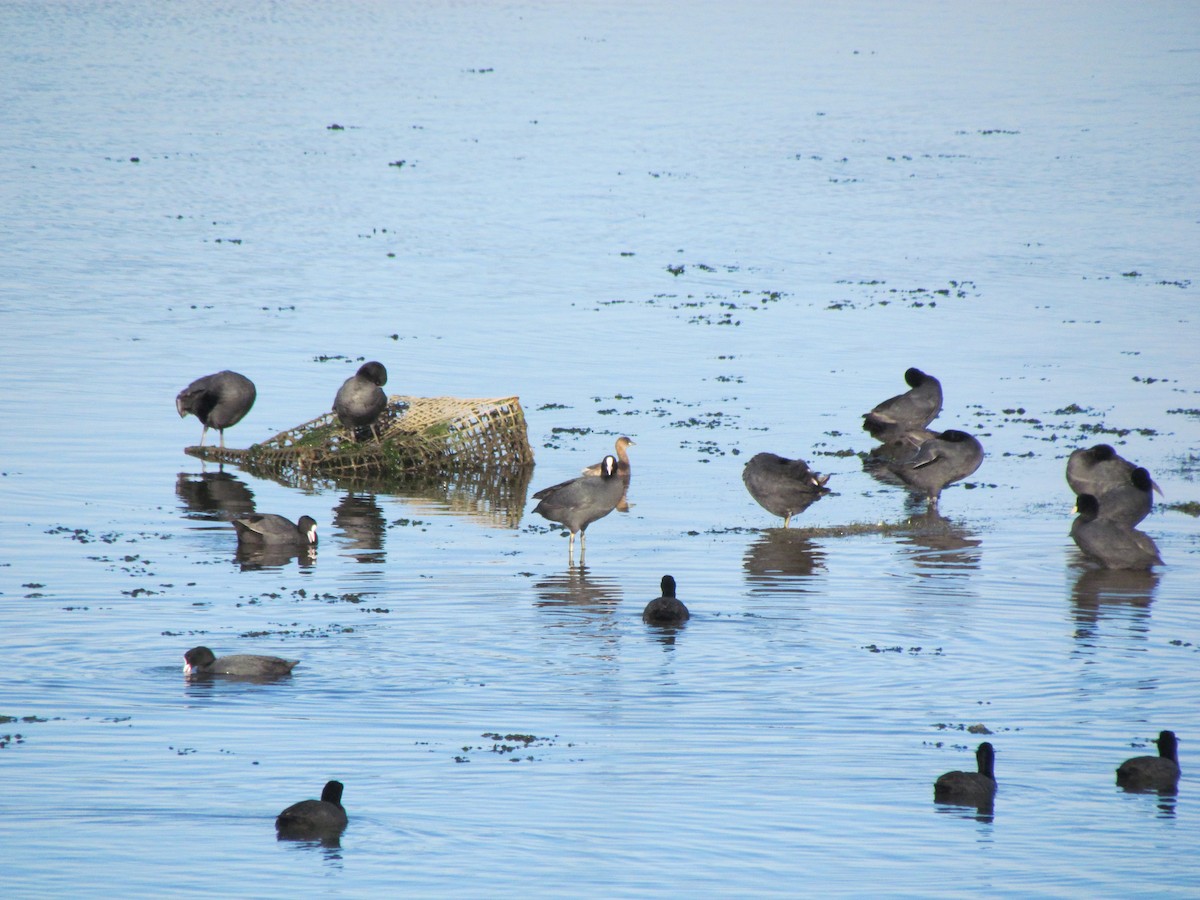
[(213, 496), (984, 814), (782, 559), (938, 546), (1130, 591), (361, 527), (575, 589), (252, 557)]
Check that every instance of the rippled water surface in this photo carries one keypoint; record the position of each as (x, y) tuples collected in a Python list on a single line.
[(717, 229)]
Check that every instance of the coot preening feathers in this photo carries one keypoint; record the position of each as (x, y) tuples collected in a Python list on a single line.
[(219, 401), (782, 486), (914, 409), (361, 400), (943, 459), (1114, 544)]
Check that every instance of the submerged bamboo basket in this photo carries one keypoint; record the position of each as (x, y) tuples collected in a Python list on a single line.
[(415, 436)]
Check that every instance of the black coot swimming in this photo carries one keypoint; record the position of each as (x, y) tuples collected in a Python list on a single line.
[(323, 819), (666, 611), (976, 789), (202, 661), (261, 529), (1152, 773), (219, 401)]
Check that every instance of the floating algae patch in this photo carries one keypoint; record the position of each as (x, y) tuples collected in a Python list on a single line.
[(415, 435)]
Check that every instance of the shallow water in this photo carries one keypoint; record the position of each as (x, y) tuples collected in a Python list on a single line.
[(719, 233)]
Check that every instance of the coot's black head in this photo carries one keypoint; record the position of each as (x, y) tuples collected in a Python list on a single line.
[(668, 586), (374, 372), (1087, 506), (1141, 479), (1168, 745), (332, 793), (985, 757), (954, 436)]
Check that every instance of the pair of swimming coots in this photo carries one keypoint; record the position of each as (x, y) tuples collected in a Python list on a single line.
[(925, 461), (1141, 773), (222, 399)]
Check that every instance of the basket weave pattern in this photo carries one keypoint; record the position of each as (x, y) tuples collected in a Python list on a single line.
[(416, 435)]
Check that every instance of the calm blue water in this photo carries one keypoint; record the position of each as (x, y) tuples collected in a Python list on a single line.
[(718, 230)]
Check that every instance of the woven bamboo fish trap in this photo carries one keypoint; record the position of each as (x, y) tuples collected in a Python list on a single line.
[(415, 436)]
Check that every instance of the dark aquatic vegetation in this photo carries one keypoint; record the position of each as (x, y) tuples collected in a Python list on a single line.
[(200, 661), (912, 410), (361, 400), (782, 486), (219, 401), (1114, 544), (314, 820), (666, 611), (578, 503), (941, 460), (976, 789), (275, 530), (1152, 773)]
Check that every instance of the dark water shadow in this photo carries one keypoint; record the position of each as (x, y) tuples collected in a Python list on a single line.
[(936, 545), (329, 847), (212, 677), (984, 814), (1128, 592), (1166, 798), (576, 589), (203, 689), (213, 496), (782, 559), (360, 526), (252, 558)]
